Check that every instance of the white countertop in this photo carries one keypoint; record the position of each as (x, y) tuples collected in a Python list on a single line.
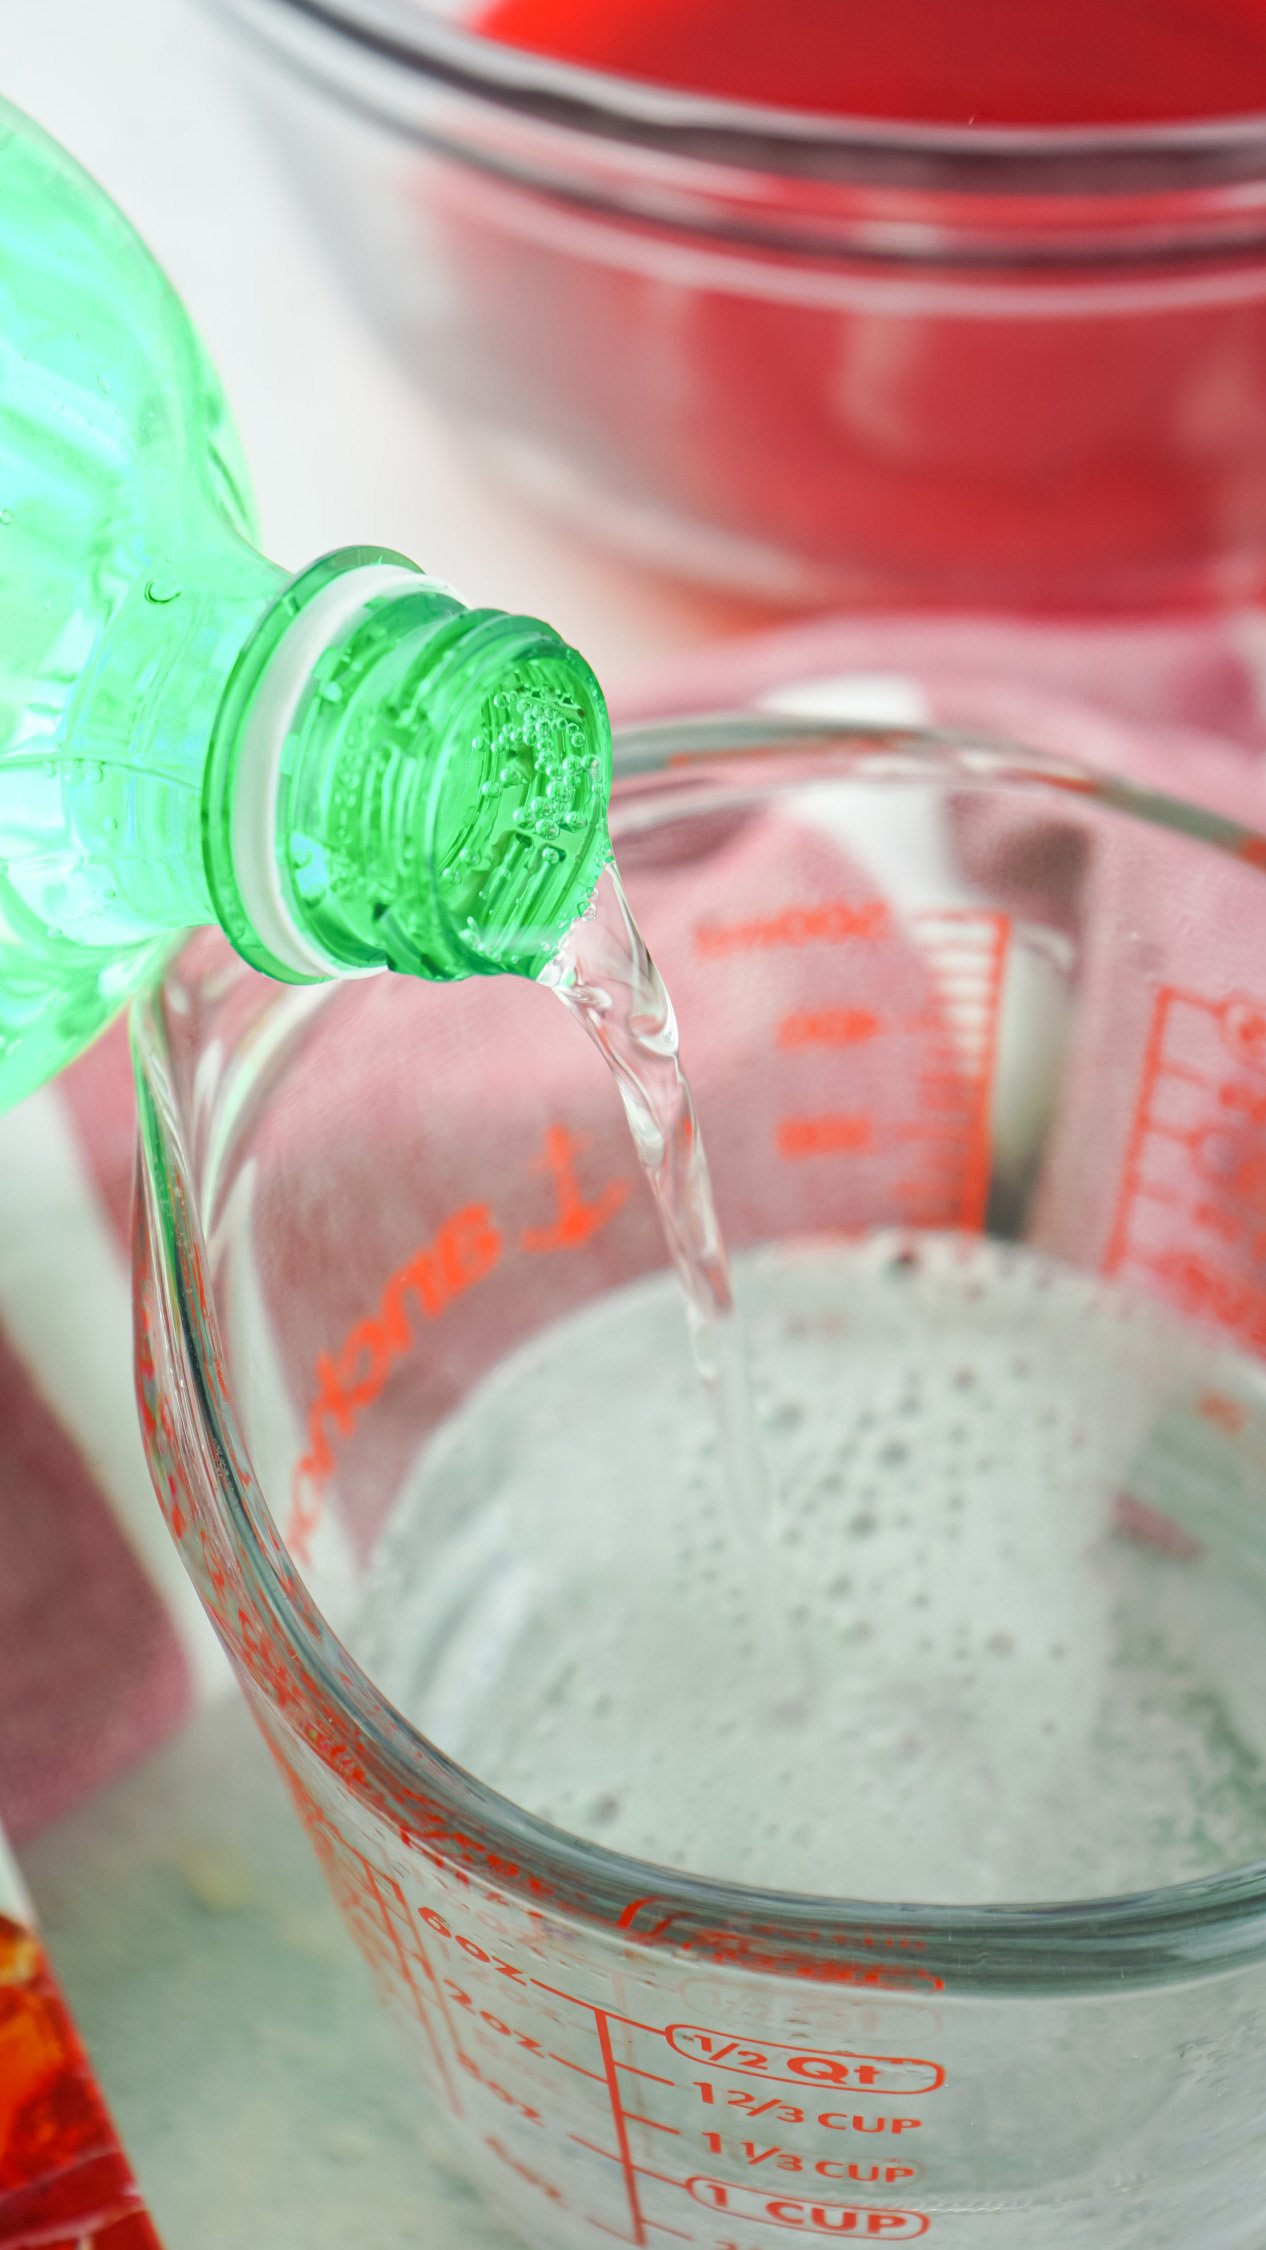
[(259, 2091)]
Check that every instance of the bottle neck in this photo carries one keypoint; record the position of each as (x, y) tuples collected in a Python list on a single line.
[(122, 783), (399, 782)]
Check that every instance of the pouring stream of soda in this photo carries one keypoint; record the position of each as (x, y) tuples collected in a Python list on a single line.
[(605, 977)]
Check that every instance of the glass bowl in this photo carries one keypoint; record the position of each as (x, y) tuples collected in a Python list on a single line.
[(812, 359)]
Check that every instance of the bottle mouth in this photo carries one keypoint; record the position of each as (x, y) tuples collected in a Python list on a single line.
[(518, 816), (396, 781)]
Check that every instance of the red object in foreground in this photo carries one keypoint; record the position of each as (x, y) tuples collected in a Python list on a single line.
[(65, 2183), (942, 62)]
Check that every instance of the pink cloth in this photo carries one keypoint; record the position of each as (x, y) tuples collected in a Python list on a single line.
[(94, 1665), (92, 1668)]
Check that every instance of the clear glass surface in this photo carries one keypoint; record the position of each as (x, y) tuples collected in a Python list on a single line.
[(940, 1001), (816, 359)]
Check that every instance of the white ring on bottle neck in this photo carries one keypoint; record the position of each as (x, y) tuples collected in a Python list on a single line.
[(257, 780)]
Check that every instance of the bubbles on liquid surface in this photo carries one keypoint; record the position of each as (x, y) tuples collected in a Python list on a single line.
[(1019, 1688)]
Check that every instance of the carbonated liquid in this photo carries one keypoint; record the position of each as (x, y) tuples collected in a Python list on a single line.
[(606, 978), (1019, 1519)]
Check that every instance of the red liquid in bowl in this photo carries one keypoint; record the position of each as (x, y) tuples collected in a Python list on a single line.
[(890, 415), (945, 62)]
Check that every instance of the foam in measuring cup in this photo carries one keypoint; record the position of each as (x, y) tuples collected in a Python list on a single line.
[(1023, 1562)]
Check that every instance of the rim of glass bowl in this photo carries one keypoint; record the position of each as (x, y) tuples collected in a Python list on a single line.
[(1198, 1927), (419, 42)]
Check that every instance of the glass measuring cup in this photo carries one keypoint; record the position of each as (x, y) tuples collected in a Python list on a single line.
[(933, 990)]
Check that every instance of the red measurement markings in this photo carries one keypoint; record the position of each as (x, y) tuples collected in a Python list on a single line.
[(387, 1931), (807, 2216), (632, 2172), (377, 1914), (577, 1218), (474, 2008), (410, 1953), (771, 2059), (547, 2188), (1134, 1519), (1222, 1413), (1191, 1206), (780, 2159), (620, 2123), (823, 1136), (768, 1951), (829, 1027), (500, 2093), (941, 1117), (781, 2112), (966, 953), (487, 2020), (665, 1919), (829, 922), (498, 2023), (464, 1251), (807, 2069)]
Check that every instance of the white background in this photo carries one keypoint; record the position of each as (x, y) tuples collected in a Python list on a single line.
[(146, 94)]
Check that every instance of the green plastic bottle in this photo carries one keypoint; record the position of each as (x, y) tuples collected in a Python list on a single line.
[(347, 770)]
